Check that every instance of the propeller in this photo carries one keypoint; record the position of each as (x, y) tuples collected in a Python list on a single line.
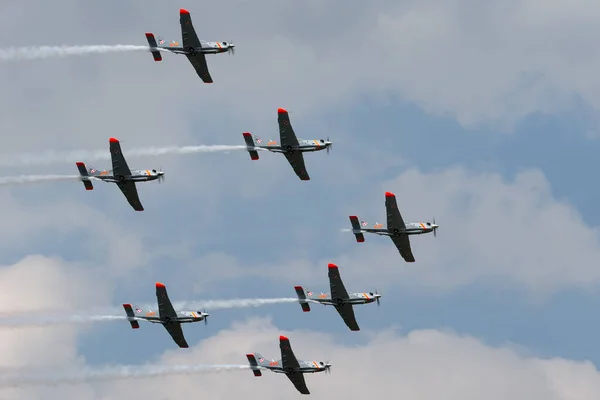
[(205, 317), (327, 367), (377, 298), (329, 146), (161, 176), (434, 229), (231, 51)]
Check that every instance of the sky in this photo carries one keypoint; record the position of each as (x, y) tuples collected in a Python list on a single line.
[(483, 115)]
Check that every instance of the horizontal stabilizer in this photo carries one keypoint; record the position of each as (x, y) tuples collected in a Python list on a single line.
[(84, 173), (356, 229), (153, 45), (250, 144), (130, 314), (253, 364), (302, 298)]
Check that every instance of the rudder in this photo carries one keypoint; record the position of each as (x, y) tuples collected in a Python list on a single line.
[(84, 173), (356, 229), (250, 145), (153, 45), (302, 298), (130, 314)]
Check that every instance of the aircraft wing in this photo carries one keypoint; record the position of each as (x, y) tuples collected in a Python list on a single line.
[(198, 61), (403, 244), (338, 290), (120, 167), (394, 219), (286, 133), (130, 191), (165, 308), (296, 160), (299, 382), (190, 39), (347, 313), (174, 329), (288, 359)]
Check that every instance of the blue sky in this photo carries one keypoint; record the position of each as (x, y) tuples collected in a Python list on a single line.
[(494, 135)]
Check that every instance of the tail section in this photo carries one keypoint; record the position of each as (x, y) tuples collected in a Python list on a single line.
[(254, 364), (84, 173), (153, 46), (302, 298), (250, 144), (356, 229), (130, 314)]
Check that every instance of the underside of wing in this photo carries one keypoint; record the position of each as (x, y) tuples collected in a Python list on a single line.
[(288, 358), (130, 191), (299, 382), (296, 160), (174, 329), (394, 219), (347, 313), (338, 290), (198, 61), (287, 135), (120, 167), (402, 242), (165, 308)]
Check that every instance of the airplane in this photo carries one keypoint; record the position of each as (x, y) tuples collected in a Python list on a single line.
[(120, 174), (293, 368), (193, 48), (166, 315), (290, 146), (339, 298), (396, 229)]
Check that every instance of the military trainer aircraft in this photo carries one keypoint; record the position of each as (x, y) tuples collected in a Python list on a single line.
[(293, 368), (120, 174), (166, 315), (339, 298), (396, 229), (290, 146), (193, 48)]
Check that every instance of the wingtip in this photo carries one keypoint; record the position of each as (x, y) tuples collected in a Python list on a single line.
[(353, 217), (246, 134), (183, 11), (297, 287), (281, 111), (389, 194), (113, 140), (149, 34), (126, 305), (79, 163), (331, 265), (160, 285), (283, 337)]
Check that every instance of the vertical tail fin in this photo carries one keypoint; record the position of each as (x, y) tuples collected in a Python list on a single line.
[(130, 314), (250, 144), (84, 173), (302, 298), (153, 45), (253, 365), (356, 229)]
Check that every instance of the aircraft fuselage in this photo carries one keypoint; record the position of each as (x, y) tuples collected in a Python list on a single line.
[(354, 298), (303, 146)]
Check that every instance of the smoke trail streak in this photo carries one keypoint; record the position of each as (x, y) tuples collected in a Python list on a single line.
[(33, 321), (50, 157), (233, 303), (39, 52), (114, 373), (29, 179)]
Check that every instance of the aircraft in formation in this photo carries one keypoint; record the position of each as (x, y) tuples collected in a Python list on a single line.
[(291, 147), (289, 365), (166, 315), (396, 229), (192, 47), (339, 298), (120, 174)]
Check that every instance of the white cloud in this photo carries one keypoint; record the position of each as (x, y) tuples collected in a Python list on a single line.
[(421, 364)]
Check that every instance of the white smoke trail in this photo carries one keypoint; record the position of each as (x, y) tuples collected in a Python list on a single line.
[(33, 321), (113, 373), (50, 157), (233, 303), (29, 179), (38, 52)]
